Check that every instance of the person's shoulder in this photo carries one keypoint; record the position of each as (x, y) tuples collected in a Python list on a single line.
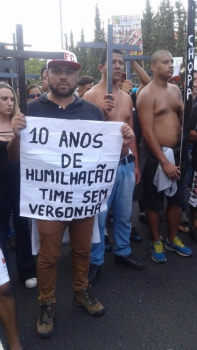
[(32, 105), (146, 93), (123, 94), (36, 105), (174, 87), (89, 105), (124, 97), (92, 92), (92, 108)]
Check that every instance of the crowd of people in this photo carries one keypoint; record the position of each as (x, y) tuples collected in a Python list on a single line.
[(148, 170)]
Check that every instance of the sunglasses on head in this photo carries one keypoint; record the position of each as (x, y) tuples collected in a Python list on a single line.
[(34, 95)]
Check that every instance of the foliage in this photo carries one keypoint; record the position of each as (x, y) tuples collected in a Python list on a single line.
[(180, 27), (94, 54), (33, 66), (66, 41), (82, 57), (165, 29), (147, 29), (71, 46)]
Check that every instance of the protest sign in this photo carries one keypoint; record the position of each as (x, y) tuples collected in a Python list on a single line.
[(127, 30), (68, 167)]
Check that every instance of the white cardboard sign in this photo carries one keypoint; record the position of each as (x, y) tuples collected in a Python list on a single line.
[(68, 167)]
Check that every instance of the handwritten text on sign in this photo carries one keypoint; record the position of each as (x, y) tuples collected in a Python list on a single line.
[(68, 167)]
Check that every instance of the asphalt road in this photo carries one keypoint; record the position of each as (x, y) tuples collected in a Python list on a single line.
[(153, 309)]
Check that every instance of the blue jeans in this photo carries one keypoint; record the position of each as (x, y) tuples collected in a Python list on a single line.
[(120, 201)]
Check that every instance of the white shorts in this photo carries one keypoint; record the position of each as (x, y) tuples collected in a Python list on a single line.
[(193, 192), (4, 277)]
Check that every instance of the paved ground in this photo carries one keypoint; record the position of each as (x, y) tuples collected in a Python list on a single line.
[(154, 309)]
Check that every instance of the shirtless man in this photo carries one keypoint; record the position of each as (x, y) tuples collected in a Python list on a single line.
[(118, 108), (160, 111)]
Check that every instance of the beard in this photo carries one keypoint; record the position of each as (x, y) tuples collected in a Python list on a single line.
[(58, 93)]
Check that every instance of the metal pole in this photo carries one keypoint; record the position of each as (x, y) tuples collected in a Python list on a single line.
[(21, 70), (109, 58), (190, 47), (14, 64), (61, 30), (128, 67)]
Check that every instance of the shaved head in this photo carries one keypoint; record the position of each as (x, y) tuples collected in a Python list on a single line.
[(157, 54)]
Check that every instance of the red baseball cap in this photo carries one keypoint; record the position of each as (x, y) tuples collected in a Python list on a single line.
[(176, 78), (69, 58)]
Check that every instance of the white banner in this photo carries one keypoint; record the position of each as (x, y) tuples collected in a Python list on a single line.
[(68, 167)]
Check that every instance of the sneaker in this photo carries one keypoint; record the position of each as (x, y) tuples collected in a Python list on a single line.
[(157, 252), (178, 246), (135, 236), (85, 299), (45, 321), (130, 260), (108, 246), (193, 234), (184, 219), (31, 282), (93, 275)]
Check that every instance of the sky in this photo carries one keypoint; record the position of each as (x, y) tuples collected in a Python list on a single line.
[(41, 19)]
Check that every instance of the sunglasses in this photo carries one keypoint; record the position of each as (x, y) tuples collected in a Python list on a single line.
[(34, 95)]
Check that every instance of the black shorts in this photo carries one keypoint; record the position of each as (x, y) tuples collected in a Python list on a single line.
[(154, 199)]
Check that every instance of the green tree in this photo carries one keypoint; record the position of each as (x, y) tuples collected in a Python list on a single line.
[(82, 56), (148, 24), (66, 41), (164, 27), (94, 54), (71, 46), (33, 66), (180, 29)]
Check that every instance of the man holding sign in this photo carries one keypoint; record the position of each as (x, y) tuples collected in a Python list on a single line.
[(62, 104)]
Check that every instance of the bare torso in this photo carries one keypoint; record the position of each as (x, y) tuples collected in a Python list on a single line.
[(122, 103), (122, 110), (167, 110), (165, 113)]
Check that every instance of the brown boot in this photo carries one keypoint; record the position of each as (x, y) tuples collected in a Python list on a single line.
[(85, 299), (45, 320)]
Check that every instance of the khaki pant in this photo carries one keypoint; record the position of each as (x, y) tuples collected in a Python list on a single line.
[(51, 234)]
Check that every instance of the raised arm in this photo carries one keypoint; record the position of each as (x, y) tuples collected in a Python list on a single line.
[(142, 75)]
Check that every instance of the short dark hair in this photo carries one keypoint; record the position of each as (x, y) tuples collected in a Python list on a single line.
[(103, 58), (43, 68), (85, 80), (156, 55), (32, 86)]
